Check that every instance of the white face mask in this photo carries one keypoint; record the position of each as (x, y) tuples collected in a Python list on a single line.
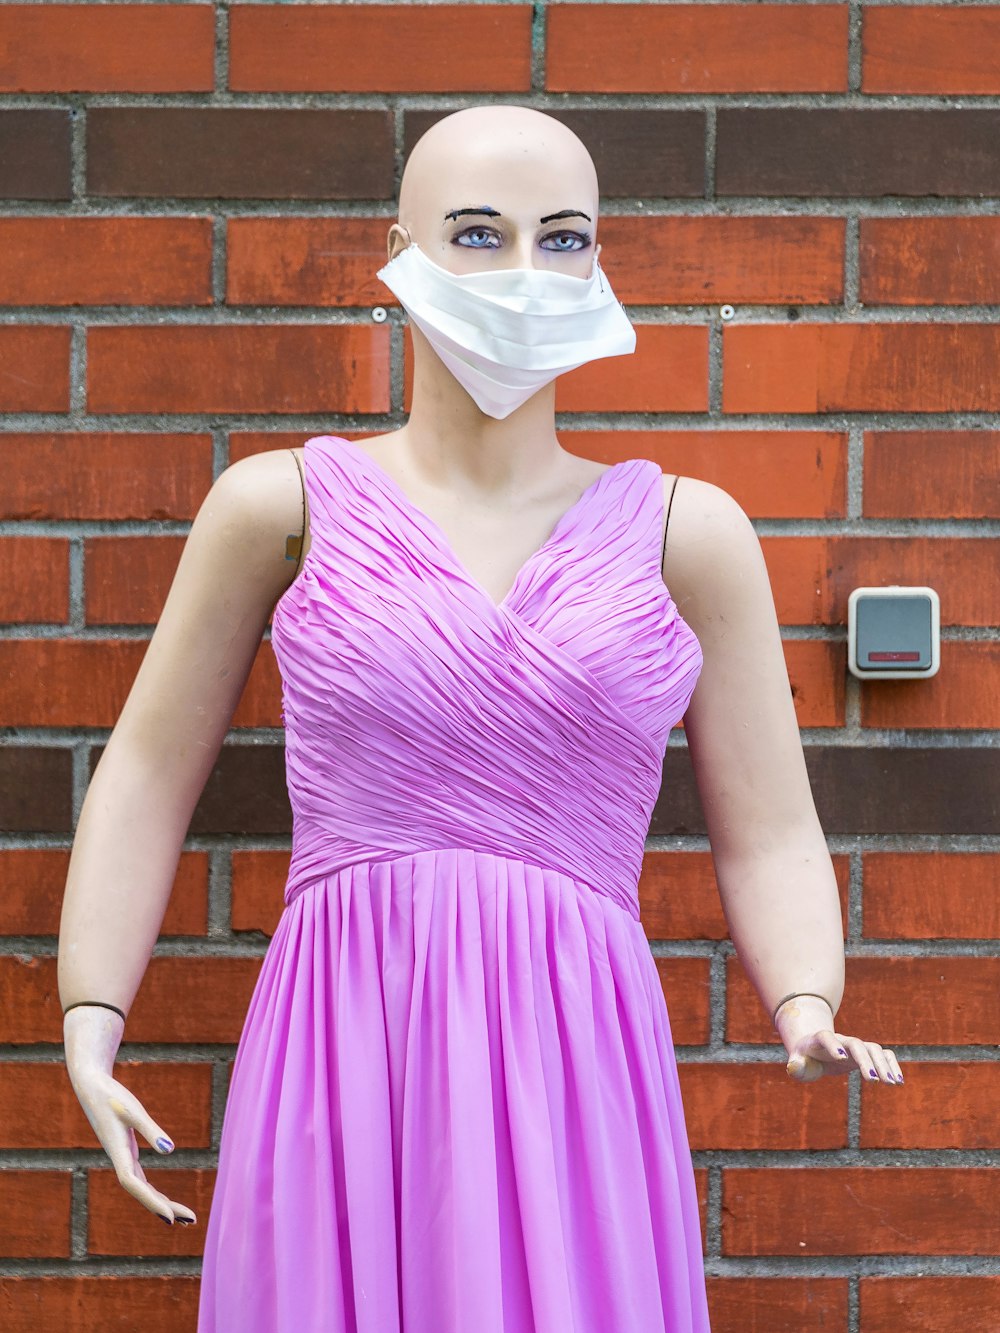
[(505, 334)]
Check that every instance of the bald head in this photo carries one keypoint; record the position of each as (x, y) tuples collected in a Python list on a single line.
[(478, 184)]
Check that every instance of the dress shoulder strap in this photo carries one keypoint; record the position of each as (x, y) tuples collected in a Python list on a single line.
[(670, 503), (293, 544)]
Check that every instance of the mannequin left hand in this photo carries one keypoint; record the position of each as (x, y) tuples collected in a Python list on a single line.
[(814, 1048)]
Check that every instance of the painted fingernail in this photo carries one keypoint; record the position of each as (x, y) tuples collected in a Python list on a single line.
[(169, 1220), (164, 1145), (873, 1073), (186, 1221), (841, 1051)]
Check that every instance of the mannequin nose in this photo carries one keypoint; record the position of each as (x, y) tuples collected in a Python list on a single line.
[(521, 254)]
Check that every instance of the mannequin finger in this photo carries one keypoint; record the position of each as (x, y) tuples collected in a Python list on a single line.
[(893, 1063), (833, 1043), (878, 1070), (118, 1141), (153, 1199), (131, 1111), (857, 1054)]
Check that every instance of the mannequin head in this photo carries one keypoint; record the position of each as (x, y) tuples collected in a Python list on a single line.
[(475, 190), (521, 163)]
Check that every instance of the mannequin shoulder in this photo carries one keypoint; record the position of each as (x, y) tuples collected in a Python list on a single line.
[(251, 510), (713, 557)]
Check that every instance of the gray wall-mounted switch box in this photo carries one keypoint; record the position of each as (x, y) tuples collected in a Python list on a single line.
[(893, 633)]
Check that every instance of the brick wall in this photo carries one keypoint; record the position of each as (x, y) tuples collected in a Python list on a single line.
[(195, 199)]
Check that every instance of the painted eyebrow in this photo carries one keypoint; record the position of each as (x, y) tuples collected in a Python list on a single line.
[(493, 213), (459, 212)]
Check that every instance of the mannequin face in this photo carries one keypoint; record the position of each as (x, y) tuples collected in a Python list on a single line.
[(479, 183)]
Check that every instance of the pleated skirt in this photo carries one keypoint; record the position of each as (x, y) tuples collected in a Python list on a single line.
[(454, 1108)]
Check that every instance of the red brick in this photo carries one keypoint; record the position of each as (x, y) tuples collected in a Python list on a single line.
[(930, 49), (685, 984), (104, 475), (679, 897), (694, 260), (34, 579), (777, 1304), (119, 1224), (99, 1304), (634, 383), (896, 1001), (932, 474), (701, 1190), (931, 895), (860, 368), (817, 675), (812, 465), (34, 1214), (105, 261), (243, 443), (181, 999), (238, 368), (750, 1106), (33, 881), (392, 48), (929, 261), (127, 579), (34, 368), (928, 1304), (314, 261), (962, 694), (258, 885), (639, 383), (39, 1109), (692, 48), (806, 1211), (88, 680), (127, 582), (67, 48), (812, 577), (954, 1104)]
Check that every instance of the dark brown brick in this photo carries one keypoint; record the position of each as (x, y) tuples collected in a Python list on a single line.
[(109, 1304), (779, 1305), (883, 789), (35, 789), (245, 792), (35, 154), (857, 153), (637, 153), (239, 153)]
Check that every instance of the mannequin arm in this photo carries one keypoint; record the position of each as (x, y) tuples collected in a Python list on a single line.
[(167, 738), (775, 876), (138, 806)]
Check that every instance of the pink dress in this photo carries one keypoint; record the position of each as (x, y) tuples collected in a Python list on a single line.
[(454, 1107)]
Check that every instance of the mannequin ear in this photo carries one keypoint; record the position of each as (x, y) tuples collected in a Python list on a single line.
[(395, 241), (597, 252)]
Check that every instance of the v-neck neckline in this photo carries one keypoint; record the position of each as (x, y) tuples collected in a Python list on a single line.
[(444, 542)]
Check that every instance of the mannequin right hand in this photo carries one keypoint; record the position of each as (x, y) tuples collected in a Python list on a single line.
[(91, 1036)]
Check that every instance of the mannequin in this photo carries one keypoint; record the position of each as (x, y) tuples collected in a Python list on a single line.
[(494, 490)]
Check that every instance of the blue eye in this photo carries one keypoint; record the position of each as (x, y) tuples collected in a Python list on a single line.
[(464, 238), (584, 240)]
